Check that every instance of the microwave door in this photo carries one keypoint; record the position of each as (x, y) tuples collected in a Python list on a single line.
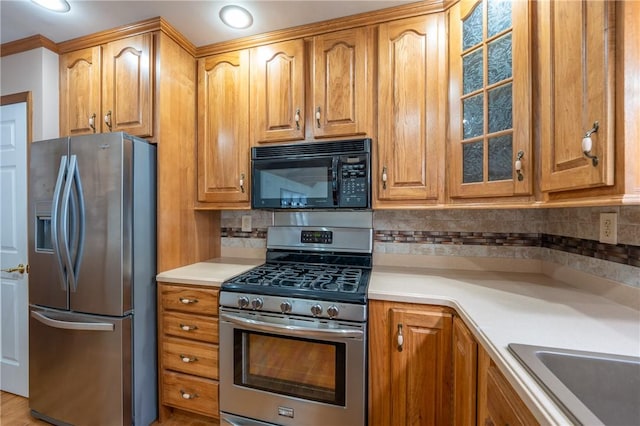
[(294, 184)]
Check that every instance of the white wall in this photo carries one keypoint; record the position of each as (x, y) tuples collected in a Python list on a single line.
[(35, 71)]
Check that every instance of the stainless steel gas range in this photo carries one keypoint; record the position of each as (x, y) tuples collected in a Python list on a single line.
[(293, 331)]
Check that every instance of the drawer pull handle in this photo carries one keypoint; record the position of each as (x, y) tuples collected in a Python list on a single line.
[(187, 359), (187, 395), (186, 327), (186, 301)]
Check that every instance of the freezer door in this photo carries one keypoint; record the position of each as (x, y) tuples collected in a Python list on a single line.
[(103, 283), (80, 368), (47, 173)]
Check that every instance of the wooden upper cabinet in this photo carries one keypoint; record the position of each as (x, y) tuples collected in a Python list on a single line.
[(127, 95), (576, 48), (411, 110), (342, 83), (223, 129), (277, 92), (80, 77), (490, 99), (108, 88), (409, 364)]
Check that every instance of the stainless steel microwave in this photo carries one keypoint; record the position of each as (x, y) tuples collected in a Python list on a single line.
[(312, 175)]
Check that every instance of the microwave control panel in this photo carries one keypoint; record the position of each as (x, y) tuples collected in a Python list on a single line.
[(354, 178)]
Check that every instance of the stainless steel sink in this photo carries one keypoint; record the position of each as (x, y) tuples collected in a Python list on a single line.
[(592, 388)]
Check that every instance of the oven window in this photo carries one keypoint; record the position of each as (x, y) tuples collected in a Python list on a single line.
[(303, 368)]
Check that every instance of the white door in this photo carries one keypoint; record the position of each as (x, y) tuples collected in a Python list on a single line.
[(14, 295)]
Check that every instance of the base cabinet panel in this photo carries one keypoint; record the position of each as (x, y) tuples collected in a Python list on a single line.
[(409, 364)]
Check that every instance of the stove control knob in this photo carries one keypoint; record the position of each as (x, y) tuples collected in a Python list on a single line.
[(243, 302), (316, 310), (256, 303), (332, 311), (285, 307)]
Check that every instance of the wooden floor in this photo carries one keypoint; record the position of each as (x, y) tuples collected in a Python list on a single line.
[(14, 411)]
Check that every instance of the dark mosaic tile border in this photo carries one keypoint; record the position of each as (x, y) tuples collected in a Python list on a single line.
[(625, 254), (239, 233)]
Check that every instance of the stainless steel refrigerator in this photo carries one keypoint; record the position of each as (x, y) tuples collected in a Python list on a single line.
[(92, 256)]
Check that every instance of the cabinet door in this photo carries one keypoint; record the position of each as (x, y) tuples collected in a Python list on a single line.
[(410, 364), (411, 93), (127, 94), (223, 128), (342, 83), (576, 76), (498, 403), (490, 99), (80, 92), (277, 92), (465, 360)]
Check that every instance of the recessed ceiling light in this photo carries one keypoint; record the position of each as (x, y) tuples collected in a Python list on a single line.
[(61, 6), (236, 17)]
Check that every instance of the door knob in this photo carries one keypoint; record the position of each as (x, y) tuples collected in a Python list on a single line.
[(20, 268)]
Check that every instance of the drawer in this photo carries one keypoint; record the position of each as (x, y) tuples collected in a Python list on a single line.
[(190, 393), (203, 301), (188, 326), (185, 356)]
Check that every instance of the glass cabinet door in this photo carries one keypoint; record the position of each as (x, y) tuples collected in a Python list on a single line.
[(490, 99)]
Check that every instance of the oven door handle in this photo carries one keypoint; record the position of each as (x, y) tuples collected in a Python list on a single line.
[(292, 330)]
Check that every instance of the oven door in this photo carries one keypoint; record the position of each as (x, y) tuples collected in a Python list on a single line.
[(294, 183), (292, 371)]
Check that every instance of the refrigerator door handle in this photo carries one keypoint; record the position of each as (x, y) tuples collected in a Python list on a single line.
[(64, 227), (79, 218), (70, 325), (55, 207)]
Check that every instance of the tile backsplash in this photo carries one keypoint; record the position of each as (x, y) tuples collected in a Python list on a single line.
[(565, 236)]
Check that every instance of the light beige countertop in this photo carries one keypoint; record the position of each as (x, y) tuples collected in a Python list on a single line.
[(498, 307), (211, 272), (502, 308)]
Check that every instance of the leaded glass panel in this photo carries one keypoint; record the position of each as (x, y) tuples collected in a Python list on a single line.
[(500, 59), (473, 116), (500, 108), (472, 28), (472, 78), (472, 159), (498, 16), (501, 158)]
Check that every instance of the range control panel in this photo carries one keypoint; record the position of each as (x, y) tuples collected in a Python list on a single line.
[(316, 237)]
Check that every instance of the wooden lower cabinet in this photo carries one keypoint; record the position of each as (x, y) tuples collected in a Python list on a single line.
[(188, 349), (465, 364), (498, 403), (409, 364)]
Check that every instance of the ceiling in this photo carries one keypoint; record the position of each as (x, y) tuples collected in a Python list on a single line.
[(197, 20)]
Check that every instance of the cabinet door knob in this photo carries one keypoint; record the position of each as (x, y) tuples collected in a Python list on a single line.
[(400, 338), (318, 115), (242, 182), (107, 119), (187, 327), (384, 177), (587, 144), (188, 395), (297, 118), (92, 122), (187, 359), (186, 301), (518, 165)]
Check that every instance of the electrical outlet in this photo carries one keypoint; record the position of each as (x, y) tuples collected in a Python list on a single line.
[(246, 223), (609, 228)]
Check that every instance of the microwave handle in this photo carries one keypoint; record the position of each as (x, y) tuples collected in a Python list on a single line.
[(334, 178)]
